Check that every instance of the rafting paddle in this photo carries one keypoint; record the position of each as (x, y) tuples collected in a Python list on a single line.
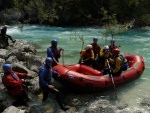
[(63, 57), (112, 78)]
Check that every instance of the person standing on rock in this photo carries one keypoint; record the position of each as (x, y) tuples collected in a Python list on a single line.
[(13, 83), (5, 37), (45, 81), (54, 52)]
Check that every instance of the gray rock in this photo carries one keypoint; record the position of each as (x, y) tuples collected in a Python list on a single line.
[(20, 68), (2, 96), (2, 61), (12, 59), (3, 53), (13, 109)]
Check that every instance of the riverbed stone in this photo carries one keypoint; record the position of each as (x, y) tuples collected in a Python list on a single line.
[(13, 109), (3, 53)]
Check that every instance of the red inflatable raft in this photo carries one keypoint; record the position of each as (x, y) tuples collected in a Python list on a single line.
[(86, 78)]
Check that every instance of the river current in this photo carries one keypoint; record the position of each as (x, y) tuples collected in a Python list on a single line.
[(133, 41)]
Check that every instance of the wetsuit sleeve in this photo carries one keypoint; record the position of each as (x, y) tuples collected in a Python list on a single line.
[(50, 53), (41, 78), (118, 65), (55, 74), (20, 75), (101, 54), (82, 54)]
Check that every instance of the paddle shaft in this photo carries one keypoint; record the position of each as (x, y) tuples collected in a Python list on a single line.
[(63, 57), (82, 46), (112, 79)]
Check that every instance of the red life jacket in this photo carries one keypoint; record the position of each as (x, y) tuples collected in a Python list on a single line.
[(96, 48), (13, 85)]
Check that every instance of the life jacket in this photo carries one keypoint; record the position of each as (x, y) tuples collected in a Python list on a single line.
[(114, 63), (96, 48), (56, 52), (87, 54), (124, 63), (8, 87), (53, 52)]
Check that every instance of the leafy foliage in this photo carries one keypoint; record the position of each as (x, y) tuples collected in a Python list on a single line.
[(80, 12)]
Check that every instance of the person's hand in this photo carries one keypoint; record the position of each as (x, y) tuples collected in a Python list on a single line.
[(61, 49), (79, 62), (58, 75), (50, 86), (22, 80)]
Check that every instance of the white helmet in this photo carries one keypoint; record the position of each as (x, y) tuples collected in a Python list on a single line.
[(106, 47), (89, 47)]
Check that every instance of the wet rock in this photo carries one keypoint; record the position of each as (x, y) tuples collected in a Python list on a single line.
[(2, 61), (122, 105), (100, 106), (13, 109), (3, 53), (145, 102), (12, 59), (20, 68)]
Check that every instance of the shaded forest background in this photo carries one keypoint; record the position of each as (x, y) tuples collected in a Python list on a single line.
[(75, 12)]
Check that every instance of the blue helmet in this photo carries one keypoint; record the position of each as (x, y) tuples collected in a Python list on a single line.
[(6, 66), (48, 59), (53, 41), (95, 39), (112, 41)]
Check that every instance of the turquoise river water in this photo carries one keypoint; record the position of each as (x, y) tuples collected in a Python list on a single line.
[(134, 41)]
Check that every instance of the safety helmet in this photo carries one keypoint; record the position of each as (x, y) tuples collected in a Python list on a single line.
[(89, 47), (112, 41), (116, 51), (4, 27), (53, 41), (106, 47), (95, 39), (48, 59), (6, 66)]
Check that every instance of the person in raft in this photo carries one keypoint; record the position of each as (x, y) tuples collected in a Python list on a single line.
[(95, 47), (103, 55), (54, 52), (115, 63), (5, 37), (45, 81), (87, 56), (13, 83), (112, 46)]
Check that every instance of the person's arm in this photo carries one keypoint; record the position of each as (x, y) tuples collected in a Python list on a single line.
[(81, 56), (55, 74), (92, 55), (20, 75), (54, 60), (49, 52), (41, 77), (101, 54)]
